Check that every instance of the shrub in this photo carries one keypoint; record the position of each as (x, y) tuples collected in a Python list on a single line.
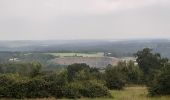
[(161, 83), (6, 80), (114, 79), (84, 83), (57, 83), (37, 88), (71, 90), (94, 89), (74, 68), (18, 90)]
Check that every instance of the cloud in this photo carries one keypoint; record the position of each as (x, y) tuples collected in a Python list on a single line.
[(66, 7), (53, 19)]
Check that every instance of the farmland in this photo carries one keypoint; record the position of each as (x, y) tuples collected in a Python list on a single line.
[(94, 59), (95, 54), (98, 62)]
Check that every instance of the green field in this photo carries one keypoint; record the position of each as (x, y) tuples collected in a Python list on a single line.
[(97, 54)]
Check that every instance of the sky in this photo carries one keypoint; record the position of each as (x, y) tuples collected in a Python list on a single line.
[(84, 19)]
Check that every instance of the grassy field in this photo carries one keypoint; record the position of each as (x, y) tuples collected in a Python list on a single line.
[(98, 54)]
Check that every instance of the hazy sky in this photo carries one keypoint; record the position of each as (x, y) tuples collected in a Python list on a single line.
[(84, 19)]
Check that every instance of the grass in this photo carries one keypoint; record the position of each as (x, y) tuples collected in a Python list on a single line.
[(135, 93), (129, 93), (98, 54)]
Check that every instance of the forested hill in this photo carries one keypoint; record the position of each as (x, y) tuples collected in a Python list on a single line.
[(117, 48)]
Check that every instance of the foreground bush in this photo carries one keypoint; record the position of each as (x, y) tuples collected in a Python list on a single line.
[(161, 83), (72, 90), (33, 88), (6, 80), (114, 79), (94, 89), (82, 82), (90, 89)]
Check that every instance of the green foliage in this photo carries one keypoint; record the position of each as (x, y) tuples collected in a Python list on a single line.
[(114, 79), (57, 83), (131, 72), (161, 83), (36, 57), (81, 82), (88, 88), (72, 90), (156, 71), (5, 81), (74, 68), (10, 85), (94, 88), (37, 88), (27, 80), (121, 74), (149, 62), (24, 69), (35, 70)]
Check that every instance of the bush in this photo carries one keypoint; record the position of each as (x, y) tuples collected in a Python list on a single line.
[(161, 83), (32, 88), (56, 83), (18, 90), (6, 80), (71, 90), (94, 89), (149, 62), (74, 68), (37, 88), (84, 83), (56, 90), (114, 79)]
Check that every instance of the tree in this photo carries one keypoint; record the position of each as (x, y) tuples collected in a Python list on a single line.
[(149, 62), (74, 68), (133, 74), (57, 83), (161, 83), (114, 79), (36, 69), (94, 88), (121, 74)]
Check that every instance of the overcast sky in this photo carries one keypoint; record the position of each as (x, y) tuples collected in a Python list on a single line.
[(84, 19)]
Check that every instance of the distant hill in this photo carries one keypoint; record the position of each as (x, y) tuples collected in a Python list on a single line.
[(116, 48)]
